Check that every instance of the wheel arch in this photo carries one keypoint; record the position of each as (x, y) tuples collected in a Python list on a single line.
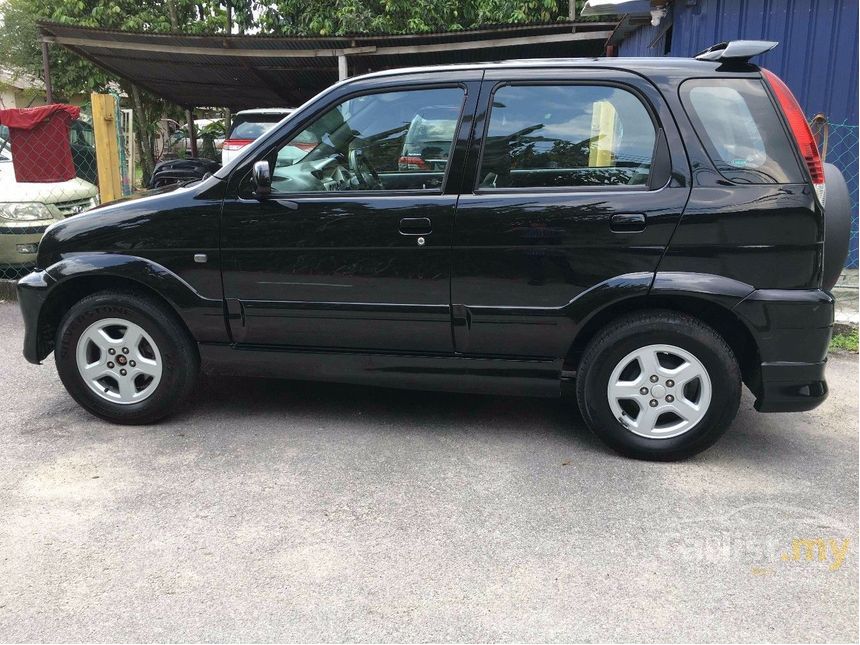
[(712, 312), (81, 276)]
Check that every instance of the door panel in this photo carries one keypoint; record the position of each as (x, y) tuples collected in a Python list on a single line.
[(337, 272), (364, 262), (521, 260), (524, 254)]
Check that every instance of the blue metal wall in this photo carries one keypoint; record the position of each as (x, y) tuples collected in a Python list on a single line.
[(817, 57)]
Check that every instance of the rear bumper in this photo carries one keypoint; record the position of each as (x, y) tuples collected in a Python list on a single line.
[(792, 329), (791, 387)]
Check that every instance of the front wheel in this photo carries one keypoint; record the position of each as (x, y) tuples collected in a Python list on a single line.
[(125, 357), (658, 385)]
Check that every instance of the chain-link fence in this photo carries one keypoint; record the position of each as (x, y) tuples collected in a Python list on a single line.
[(42, 180), (839, 145), (48, 172)]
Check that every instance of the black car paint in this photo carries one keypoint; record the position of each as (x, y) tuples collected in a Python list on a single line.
[(507, 281)]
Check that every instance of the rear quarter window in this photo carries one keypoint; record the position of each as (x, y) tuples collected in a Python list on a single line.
[(741, 131)]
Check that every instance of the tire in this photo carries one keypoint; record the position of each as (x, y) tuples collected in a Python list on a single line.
[(701, 409), (158, 371)]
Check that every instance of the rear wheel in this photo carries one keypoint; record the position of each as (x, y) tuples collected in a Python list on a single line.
[(125, 357), (658, 385)]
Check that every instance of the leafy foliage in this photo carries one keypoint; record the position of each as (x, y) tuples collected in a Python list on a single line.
[(20, 49), (341, 17), (845, 341)]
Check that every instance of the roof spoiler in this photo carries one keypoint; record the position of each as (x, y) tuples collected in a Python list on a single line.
[(739, 51)]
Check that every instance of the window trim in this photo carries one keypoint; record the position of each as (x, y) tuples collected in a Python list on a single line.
[(649, 109), (342, 98)]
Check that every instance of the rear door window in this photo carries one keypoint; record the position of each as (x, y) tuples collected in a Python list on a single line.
[(740, 129), (556, 136)]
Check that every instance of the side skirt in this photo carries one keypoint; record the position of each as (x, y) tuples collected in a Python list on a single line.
[(516, 377)]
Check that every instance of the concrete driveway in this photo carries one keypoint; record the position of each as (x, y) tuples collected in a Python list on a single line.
[(285, 511)]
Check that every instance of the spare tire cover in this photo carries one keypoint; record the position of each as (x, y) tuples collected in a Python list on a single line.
[(837, 225)]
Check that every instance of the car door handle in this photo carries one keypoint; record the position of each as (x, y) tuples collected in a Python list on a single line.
[(416, 226), (627, 223)]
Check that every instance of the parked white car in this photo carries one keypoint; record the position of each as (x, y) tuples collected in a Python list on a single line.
[(26, 210), (247, 126)]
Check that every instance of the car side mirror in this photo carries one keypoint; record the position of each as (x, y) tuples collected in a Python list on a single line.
[(261, 177)]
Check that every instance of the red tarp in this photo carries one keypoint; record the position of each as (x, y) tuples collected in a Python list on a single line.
[(40, 142)]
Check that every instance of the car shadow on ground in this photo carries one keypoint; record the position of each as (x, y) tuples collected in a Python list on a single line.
[(255, 402), (261, 400)]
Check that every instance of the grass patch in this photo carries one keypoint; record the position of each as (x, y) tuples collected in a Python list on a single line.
[(846, 341)]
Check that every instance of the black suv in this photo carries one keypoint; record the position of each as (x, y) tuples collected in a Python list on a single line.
[(646, 233)]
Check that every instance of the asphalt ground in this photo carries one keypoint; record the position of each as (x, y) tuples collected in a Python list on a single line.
[(277, 510)]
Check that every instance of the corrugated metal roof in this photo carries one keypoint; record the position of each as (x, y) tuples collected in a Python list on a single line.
[(266, 71), (483, 30), (817, 57)]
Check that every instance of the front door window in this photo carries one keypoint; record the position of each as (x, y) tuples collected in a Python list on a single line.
[(388, 141)]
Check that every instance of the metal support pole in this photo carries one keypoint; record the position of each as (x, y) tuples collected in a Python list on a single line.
[(192, 131), (342, 70), (227, 114), (46, 70)]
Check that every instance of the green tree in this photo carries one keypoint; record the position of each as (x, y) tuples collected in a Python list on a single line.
[(339, 17), (20, 48), (70, 74)]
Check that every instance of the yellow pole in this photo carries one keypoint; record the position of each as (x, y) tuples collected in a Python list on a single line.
[(603, 135), (107, 150)]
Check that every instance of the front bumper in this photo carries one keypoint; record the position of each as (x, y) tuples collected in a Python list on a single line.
[(792, 329), (32, 292), (18, 244)]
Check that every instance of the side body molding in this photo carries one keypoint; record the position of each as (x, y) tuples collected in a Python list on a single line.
[(546, 332)]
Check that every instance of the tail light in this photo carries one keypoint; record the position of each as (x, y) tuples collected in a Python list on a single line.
[(236, 144), (412, 163), (800, 130)]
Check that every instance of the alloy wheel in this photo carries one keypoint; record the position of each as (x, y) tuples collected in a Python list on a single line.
[(659, 391), (119, 361)]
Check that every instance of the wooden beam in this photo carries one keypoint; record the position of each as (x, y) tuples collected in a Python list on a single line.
[(107, 148), (371, 50), (201, 51), (489, 44), (192, 131), (46, 72)]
